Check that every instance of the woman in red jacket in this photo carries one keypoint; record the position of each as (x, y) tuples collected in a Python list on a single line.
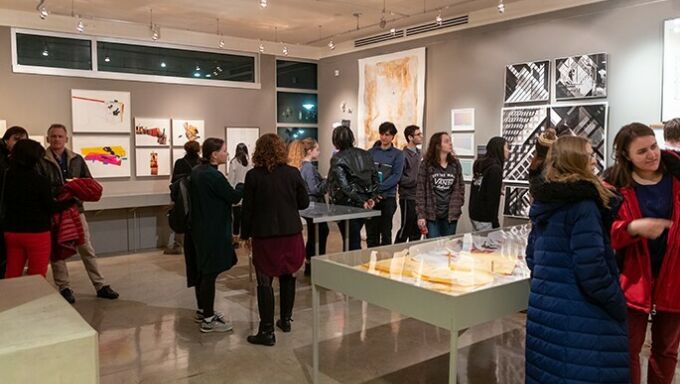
[(646, 234)]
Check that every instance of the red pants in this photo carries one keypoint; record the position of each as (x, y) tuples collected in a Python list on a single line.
[(665, 340), (32, 247)]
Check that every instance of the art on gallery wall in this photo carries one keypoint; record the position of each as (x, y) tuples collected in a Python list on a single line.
[(581, 77), (466, 166), (187, 130), (517, 202), (152, 161), (177, 153), (587, 120), (3, 125), (527, 82), (391, 88), (289, 134), (152, 132), (520, 127), (106, 155), (670, 105), (245, 135), (463, 143), (462, 120), (100, 111), (39, 138)]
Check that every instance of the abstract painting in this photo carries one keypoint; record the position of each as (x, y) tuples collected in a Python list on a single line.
[(247, 136), (670, 105), (290, 134), (100, 111), (391, 88), (520, 127), (187, 130), (581, 77), (152, 132), (462, 120), (527, 82), (463, 143), (466, 165), (152, 161), (517, 202), (105, 155), (587, 120)]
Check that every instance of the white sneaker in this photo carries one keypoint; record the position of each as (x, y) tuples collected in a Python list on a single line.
[(198, 317), (216, 324)]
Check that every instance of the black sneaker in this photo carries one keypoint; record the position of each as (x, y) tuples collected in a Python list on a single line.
[(107, 293), (67, 294)]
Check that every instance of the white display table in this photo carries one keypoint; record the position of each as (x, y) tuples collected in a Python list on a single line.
[(42, 338)]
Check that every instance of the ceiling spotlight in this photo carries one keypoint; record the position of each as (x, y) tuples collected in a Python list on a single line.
[(331, 45), (285, 50), (198, 68), (45, 52), (207, 75), (263, 4), (261, 48), (221, 44), (107, 59), (501, 7), (155, 32), (80, 27), (383, 23), (439, 20), (393, 31), (43, 12), (163, 65)]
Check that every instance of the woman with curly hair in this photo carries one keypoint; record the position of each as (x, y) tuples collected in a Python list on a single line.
[(274, 193)]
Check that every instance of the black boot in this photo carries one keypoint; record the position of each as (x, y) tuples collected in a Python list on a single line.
[(265, 304), (287, 301)]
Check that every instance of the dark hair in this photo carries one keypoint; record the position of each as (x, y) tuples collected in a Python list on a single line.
[(242, 154), (343, 138), (621, 174), (433, 148), (410, 131), (387, 127), (270, 152), (495, 149), (671, 130), (210, 145), (27, 153), (192, 148), (56, 126), (14, 131)]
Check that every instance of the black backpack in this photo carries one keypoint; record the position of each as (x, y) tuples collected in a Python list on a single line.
[(179, 215)]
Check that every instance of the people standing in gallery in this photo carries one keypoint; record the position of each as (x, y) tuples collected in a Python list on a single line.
[(440, 193), (576, 320), (28, 206), (275, 228), (671, 134), (646, 234), (238, 167), (352, 181), (211, 199), (487, 184), (408, 231), (11, 136), (60, 165), (389, 162), (182, 169)]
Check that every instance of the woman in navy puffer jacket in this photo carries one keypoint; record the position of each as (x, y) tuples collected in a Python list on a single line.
[(576, 321)]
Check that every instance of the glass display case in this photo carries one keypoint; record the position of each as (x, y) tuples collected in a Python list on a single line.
[(454, 282)]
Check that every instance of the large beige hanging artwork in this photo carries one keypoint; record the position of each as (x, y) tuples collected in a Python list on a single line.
[(391, 88)]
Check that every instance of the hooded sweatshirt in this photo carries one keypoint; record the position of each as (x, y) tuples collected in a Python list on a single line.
[(389, 163), (485, 192)]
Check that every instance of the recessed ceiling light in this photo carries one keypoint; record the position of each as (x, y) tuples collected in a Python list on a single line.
[(263, 4)]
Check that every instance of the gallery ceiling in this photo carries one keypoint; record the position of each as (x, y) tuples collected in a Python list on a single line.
[(311, 22)]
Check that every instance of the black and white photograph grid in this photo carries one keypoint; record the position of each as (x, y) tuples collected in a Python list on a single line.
[(587, 120), (517, 201), (581, 77), (520, 127), (527, 82)]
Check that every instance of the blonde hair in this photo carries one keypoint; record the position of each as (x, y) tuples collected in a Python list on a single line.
[(296, 152), (568, 161)]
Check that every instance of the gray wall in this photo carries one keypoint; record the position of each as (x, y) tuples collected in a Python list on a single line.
[(466, 68)]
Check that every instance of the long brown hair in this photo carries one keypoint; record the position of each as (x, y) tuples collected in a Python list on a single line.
[(433, 149), (295, 154), (568, 161), (270, 152), (621, 174)]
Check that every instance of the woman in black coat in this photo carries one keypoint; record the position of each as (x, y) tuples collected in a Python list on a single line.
[(485, 191), (211, 201), (274, 193)]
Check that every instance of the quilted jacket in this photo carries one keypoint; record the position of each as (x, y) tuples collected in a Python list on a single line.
[(576, 320)]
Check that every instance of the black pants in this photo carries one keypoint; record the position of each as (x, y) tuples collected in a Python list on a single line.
[(409, 230), (236, 222), (265, 298), (311, 238), (379, 228), (206, 293), (354, 233)]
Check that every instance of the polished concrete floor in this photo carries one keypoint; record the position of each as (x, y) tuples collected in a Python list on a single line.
[(148, 335)]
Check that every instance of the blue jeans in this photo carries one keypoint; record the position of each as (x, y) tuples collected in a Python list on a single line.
[(440, 228)]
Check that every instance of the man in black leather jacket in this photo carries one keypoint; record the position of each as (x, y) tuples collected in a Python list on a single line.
[(352, 180)]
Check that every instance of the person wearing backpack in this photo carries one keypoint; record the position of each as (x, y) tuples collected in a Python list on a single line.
[(182, 169), (211, 198), (238, 167)]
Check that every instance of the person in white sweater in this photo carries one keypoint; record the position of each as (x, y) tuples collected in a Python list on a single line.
[(236, 174)]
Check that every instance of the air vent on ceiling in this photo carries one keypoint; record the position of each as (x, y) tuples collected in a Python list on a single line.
[(411, 31), (397, 34)]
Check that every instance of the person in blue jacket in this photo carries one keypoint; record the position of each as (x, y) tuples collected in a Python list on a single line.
[(389, 161), (576, 329)]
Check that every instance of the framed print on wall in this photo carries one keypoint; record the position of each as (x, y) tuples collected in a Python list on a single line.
[(527, 82), (670, 104), (462, 120), (152, 132), (152, 161), (466, 166), (245, 135), (463, 143), (517, 202), (106, 155), (100, 111), (187, 130), (581, 77), (520, 127)]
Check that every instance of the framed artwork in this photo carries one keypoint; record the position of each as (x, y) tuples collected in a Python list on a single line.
[(245, 135), (670, 104), (391, 88), (106, 155), (581, 77), (517, 202), (527, 82), (39, 138), (462, 120), (463, 143), (587, 120), (481, 150), (187, 130), (466, 166), (660, 140), (152, 161), (152, 132), (290, 134), (520, 127), (3, 125), (100, 111)]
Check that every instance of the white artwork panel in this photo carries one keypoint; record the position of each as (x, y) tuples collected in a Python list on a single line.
[(247, 136), (462, 120), (187, 130), (463, 143), (152, 132), (152, 161), (105, 155), (671, 70), (100, 111)]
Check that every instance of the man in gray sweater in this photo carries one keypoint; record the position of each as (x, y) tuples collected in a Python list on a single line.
[(407, 186)]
